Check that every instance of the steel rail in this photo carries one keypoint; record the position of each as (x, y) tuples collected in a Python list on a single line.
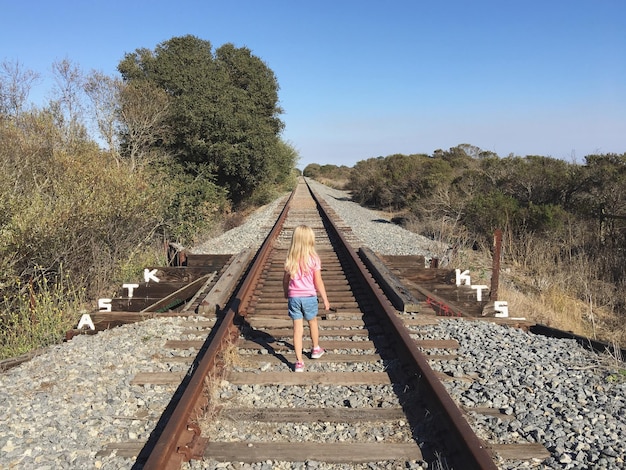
[(473, 453), (180, 439)]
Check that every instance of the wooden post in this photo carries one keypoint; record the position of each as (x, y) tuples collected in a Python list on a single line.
[(495, 270)]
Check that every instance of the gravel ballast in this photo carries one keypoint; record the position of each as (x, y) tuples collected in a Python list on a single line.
[(60, 409)]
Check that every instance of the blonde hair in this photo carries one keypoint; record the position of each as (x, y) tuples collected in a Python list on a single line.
[(301, 250)]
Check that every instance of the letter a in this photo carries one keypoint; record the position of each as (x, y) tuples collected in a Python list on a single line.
[(85, 320)]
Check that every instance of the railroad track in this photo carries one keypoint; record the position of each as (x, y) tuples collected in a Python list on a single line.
[(371, 398), (407, 416)]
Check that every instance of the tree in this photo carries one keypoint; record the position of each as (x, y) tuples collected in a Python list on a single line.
[(604, 197), (144, 121), (223, 109), (458, 157), (15, 85), (68, 106), (104, 92)]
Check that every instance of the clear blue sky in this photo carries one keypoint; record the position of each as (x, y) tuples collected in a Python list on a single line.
[(363, 78)]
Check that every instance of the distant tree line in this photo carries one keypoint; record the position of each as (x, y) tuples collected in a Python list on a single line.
[(554, 214), (331, 174)]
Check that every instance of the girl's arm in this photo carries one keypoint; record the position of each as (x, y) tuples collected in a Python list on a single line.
[(286, 279), (319, 286)]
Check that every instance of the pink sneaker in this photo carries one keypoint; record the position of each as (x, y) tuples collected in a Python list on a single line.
[(299, 367), (316, 353)]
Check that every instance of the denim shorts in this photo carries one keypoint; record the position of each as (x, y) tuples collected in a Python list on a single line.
[(302, 307)]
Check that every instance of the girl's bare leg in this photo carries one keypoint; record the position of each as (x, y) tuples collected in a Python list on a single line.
[(315, 335), (298, 331)]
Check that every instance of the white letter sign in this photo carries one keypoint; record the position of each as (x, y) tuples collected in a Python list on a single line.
[(502, 309), (147, 275), (131, 288), (104, 304), (463, 276), (479, 292), (85, 320)]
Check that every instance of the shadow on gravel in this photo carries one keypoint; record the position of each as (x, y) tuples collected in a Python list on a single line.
[(343, 199), (265, 340)]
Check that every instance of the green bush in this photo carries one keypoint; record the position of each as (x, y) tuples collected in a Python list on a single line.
[(543, 217), (486, 212), (38, 313), (72, 218), (87, 214), (193, 203), (396, 181)]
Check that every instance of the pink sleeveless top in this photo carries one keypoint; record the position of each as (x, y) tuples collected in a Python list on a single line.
[(302, 285)]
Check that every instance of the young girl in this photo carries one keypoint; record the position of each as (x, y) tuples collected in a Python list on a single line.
[(301, 283)]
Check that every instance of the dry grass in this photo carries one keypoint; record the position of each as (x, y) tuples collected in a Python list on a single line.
[(231, 356), (212, 384), (559, 308), (553, 309)]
